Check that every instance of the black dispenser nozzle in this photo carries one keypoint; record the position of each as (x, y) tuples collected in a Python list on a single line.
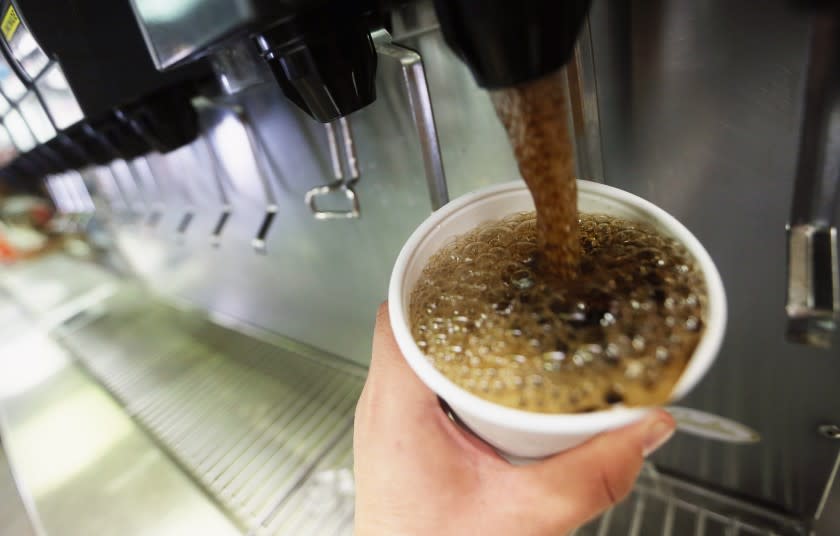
[(324, 60), (506, 43)]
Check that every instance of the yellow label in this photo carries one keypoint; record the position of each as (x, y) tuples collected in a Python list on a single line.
[(10, 23)]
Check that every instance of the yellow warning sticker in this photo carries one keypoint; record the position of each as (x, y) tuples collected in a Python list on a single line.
[(10, 23)]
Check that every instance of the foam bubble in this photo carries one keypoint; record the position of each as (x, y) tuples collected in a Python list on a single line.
[(503, 329)]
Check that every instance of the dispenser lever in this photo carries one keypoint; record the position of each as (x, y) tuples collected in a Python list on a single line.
[(342, 184), (259, 241), (813, 298), (224, 199), (414, 76)]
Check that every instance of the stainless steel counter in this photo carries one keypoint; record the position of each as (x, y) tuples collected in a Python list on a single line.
[(83, 466), (128, 416), (263, 428), (14, 518)]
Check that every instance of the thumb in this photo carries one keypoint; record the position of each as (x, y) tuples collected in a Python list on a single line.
[(594, 476)]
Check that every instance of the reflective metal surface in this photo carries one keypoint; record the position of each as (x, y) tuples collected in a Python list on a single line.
[(583, 97), (58, 98), (81, 464), (25, 49), (174, 30), (420, 103), (10, 83), (344, 183), (813, 269), (252, 422), (21, 136), (35, 116), (14, 519), (333, 273), (700, 111), (813, 300)]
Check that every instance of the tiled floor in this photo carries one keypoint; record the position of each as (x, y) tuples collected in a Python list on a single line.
[(13, 518)]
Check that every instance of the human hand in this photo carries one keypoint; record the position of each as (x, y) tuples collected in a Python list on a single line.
[(419, 473)]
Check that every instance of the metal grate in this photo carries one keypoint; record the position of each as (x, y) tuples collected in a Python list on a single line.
[(254, 424), (324, 504), (268, 432), (662, 505)]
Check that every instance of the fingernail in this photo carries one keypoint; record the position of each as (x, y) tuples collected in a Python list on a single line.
[(657, 434)]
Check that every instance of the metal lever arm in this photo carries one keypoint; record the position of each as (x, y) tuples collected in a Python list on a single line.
[(813, 273), (224, 199), (340, 184), (414, 75), (259, 241)]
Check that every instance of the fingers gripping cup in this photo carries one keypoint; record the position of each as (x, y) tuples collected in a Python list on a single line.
[(523, 432)]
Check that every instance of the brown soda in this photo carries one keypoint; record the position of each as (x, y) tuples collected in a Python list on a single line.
[(622, 332)]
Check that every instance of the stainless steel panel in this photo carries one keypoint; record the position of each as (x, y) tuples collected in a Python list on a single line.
[(174, 30), (58, 98), (320, 281), (55, 284), (82, 466), (700, 111), (10, 83), (36, 117), (252, 422), (25, 49), (18, 130), (14, 519)]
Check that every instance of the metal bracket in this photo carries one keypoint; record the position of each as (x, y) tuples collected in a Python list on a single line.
[(813, 284), (342, 184), (414, 76), (583, 97), (813, 297)]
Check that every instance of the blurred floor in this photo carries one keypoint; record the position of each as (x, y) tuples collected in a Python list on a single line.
[(13, 518)]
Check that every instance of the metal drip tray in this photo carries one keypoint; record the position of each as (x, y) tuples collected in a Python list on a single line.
[(262, 429)]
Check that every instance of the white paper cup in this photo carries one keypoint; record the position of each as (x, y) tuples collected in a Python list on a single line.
[(522, 434)]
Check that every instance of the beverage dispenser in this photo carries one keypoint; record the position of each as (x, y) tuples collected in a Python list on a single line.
[(258, 164)]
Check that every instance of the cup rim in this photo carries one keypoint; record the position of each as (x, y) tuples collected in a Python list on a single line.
[(459, 398)]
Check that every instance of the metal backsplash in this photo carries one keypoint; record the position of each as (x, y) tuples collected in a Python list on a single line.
[(698, 108), (319, 281)]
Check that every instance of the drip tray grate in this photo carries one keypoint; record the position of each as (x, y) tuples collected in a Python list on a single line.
[(261, 428), (667, 506)]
